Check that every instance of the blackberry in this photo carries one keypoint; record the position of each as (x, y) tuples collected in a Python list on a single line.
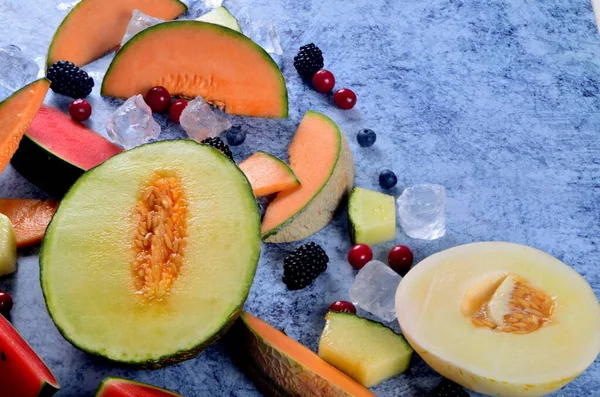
[(68, 79), (308, 60), (218, 144), (303, 266), (447, 388)]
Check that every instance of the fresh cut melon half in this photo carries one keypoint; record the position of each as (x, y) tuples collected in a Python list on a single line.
[(268, 174), (321, 158), (501, 319)]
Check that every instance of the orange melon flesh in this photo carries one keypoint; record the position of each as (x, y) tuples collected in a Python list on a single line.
[(16, 114), (29, 218), (94, 27), (267, 174), (192, 58)]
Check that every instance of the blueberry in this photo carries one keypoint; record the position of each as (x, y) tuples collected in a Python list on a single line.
[(387, 179), (235, 136), (366, 137)]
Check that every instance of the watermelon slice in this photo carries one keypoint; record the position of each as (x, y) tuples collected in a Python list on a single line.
[(56, 151), (22, 371), (117, 387)]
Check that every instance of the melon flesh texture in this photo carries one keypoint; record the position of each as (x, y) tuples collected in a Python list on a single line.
[(435, 300), (8, 247), (96, 246), (372, 217), (267, 174), (16, 113), (29, 217), (94, 27), (322, 161), (116, 387), (225, 68), (22, 371)]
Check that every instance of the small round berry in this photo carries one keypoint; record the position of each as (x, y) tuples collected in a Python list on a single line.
[(366, 137), (343, 307), (176, 108), (6, 303), (80, 110), (400, 259), (359, 255), (344, 98), (387, 179), (323, 81), (235, 136), (158, 98)]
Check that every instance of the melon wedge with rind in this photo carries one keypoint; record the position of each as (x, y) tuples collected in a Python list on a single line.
[(118, 387), (8, 247), (94, 27), (321, 159), (372, 216), (428, 305), (267, 174), (221, 16), (222, 61)]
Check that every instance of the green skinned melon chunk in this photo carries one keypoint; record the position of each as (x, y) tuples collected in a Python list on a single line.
[(221, 16), (372, 217)]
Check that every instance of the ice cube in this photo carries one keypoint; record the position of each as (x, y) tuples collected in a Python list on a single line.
[(197, 8), (139, 21), (199, 120), (422, 211), (374, 290), (132, 123), (265, 35), (16, 70)]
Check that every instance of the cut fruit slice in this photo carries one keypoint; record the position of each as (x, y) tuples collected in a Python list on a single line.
[(268, 174), (117, 387), (222, 61), (94, 27), (16, 113), (56, 151), (322, 160), (8, 247), (280, 366), (221, 16), (22, 371), (133, 263), (365, 350), (372, 217), (29, 217), (450, 304)]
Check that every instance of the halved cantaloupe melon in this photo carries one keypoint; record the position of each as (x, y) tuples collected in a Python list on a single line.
[(280, 366), (267, 174), (29, 217), (222, 66), (500, 318), (322, 160), (94, 27), (16, 113)]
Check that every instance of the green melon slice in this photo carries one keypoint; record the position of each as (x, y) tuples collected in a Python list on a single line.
[(8, 247), (225, 68), (150, 266), (221, 16), (372, 216)]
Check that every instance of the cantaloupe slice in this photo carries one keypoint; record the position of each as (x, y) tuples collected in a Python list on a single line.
[(267, 174), (16, 114), (322, 160), (501, 319), (29, 217), (222, 66), (94, 27), (280, 366)]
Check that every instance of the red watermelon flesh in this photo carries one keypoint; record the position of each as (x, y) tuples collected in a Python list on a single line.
[(117, 387)]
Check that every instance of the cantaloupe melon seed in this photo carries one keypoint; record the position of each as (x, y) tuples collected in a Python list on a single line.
[(160, 237)]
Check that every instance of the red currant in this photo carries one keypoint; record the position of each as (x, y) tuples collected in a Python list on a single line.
[(6, 303), (323, 81), (344, 98), (158, 98), (360, 255), (176, 109), (80, 110), (400, 259), (342, 307)]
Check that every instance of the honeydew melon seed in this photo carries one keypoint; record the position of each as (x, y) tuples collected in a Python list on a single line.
[(221, 16), (8, 247), (372, 216)]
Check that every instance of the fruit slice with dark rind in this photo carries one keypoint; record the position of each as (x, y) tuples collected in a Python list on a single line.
[(94, 27), (158, 234), (222, 61), (56, 150), (268, 174), (29, 217), (22, 371), (284, 367), (118, 387), (16, 113)]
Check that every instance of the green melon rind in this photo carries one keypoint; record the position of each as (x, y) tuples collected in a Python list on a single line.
[(104, 90), (319, 210), (177, 356), (282, 164), (109, 380), (222, 14), (74, 12)]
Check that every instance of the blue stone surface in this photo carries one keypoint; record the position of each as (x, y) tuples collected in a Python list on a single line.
[(498, 101)]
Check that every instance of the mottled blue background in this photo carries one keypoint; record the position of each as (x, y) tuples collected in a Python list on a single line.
[(498, 101)]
